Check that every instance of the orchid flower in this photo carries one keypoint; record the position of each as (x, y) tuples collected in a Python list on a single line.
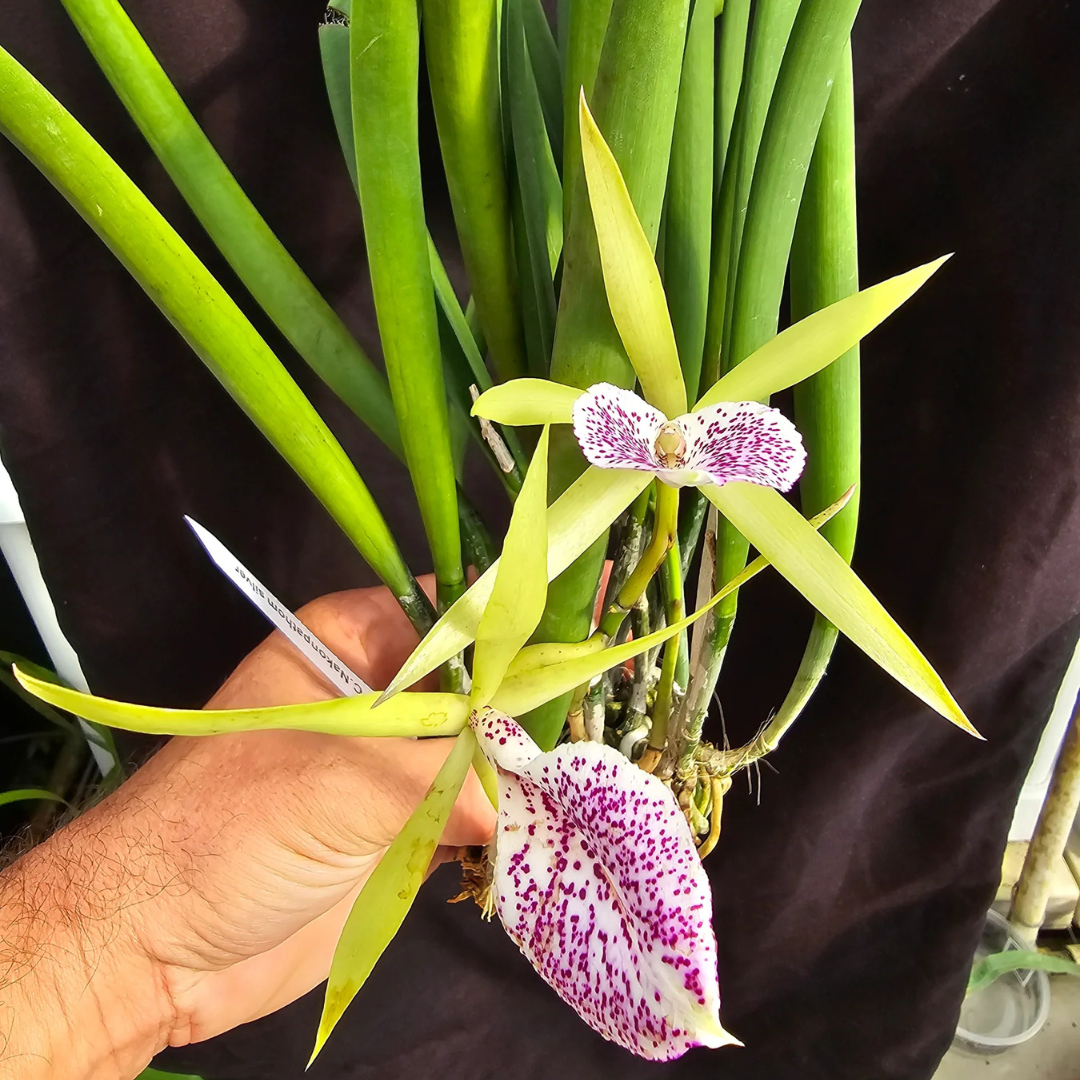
[(598, 881), (738, 451), (741, 440)]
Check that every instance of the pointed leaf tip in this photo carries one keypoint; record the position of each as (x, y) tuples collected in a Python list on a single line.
[(631, 279), (389, 892), (813, 343), (773, 526)]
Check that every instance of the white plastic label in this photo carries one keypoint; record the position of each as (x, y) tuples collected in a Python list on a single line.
[(337, 671)]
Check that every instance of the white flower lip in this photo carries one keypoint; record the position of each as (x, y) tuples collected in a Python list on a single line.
[(598, 881)]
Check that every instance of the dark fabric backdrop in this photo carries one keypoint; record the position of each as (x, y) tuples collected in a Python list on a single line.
[(849, 894)]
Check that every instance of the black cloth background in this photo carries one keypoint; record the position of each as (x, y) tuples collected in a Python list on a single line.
[(848, 896)]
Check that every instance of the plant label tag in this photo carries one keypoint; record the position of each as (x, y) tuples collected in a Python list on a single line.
[(324, 660)]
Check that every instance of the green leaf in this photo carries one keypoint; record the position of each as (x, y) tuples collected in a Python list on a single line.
[(451, 308), (744, 95), (462, 50), (202, 311), (547, 653), (486, 774), (689, 199), (537, 194), (158, 1074), (334, 50), (815, 342), (773, 526), (992, 967), (384, 46), (824, 268), (525, 402), (28, 795), (581, 32), (634, 290), (387, 895), (575, 520), (408, 715), (812, 56), (7, 660), (237, 229), (520, 590), (532, 687), (544, 61)]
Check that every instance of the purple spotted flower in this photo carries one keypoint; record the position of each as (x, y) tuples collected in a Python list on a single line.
[(732, 440), (598, 881)]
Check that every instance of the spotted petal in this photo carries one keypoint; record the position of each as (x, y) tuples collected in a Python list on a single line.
[(598, 881), (616, 429), (743, 440)]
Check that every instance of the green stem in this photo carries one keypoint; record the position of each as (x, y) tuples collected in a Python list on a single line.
[(665, 532), (731, 55), (692, 514), (675, 609), (237, 229), (760, 248), (628, 551)]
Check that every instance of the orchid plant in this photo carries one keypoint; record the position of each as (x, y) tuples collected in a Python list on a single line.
[(568, 160)]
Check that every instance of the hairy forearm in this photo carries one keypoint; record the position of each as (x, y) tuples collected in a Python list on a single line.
[(79, 997)]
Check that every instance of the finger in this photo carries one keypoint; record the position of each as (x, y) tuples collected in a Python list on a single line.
[(410, 766)]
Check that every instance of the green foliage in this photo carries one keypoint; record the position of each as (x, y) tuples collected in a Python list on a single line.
[(384, 53), (388, 894), (517, 597), (992, 967)]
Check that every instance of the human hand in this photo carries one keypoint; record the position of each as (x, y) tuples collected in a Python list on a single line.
[(210, 889)]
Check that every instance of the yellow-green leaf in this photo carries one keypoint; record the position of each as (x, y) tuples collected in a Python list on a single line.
[(517, 599), (386, 897), (409, 715), (485, 773), (540, 673), (524, 402), (545, 653), (632, 282), (815, 342), (575, 520), (28, 795), (773, 526), (526, 690)]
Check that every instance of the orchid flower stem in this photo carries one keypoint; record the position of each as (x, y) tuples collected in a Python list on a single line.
[(665, 693), (695, 708), (628, 549), (665, 532), (692, 515), (575, 716), (595, 711)]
